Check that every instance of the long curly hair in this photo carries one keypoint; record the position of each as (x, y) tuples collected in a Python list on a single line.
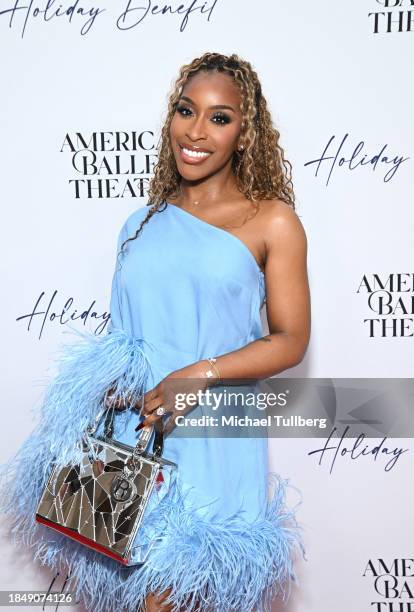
[(261, 170)]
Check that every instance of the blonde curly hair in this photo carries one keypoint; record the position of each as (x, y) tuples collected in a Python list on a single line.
[(261, 170)]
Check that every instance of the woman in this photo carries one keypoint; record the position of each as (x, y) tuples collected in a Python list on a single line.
[(220, 238)]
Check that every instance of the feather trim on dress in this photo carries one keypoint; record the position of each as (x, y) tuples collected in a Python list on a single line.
[(227, 564)]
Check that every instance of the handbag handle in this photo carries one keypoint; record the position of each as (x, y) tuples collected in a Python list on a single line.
[(144, 434)]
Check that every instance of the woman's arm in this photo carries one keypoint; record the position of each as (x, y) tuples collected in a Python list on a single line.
[(287, 300)]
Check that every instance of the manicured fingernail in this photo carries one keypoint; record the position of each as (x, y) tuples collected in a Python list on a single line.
[(140, 426)]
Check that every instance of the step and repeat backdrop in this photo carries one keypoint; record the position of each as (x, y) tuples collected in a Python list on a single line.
[(84, 94)]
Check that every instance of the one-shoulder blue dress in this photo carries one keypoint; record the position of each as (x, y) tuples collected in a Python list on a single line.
[(182, 291)]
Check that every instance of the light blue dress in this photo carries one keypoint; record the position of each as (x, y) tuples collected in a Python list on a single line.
[(184, 290)]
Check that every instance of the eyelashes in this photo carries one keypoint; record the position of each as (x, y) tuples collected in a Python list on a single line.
[(222, 117)]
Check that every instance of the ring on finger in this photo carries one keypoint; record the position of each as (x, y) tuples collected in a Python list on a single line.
[(160, 411)]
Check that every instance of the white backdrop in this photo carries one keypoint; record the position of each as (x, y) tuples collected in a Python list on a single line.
[(332, 72)]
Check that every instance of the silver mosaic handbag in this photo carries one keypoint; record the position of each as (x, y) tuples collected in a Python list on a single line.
[(102, 501)]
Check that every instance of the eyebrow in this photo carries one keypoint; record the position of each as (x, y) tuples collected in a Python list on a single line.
[(214, 105)]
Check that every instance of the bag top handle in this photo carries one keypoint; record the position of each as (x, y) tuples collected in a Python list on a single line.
[(144, 434)]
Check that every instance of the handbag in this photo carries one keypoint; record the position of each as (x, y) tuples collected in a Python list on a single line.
[(103, 500)]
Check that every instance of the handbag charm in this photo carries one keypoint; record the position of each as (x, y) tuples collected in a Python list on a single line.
[(102, 501)]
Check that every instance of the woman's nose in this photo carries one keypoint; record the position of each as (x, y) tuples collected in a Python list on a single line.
[(197, 128)]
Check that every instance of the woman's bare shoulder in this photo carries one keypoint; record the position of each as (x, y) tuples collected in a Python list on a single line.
[(281, 222)]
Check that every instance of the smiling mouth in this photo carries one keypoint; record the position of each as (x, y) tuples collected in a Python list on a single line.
[(192, 155)]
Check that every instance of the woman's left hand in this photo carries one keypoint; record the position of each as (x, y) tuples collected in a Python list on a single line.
[(190, 379)]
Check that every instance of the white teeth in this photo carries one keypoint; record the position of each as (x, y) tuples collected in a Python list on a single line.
[(195, 153)]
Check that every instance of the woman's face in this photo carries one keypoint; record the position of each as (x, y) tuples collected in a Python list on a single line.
[(206, 125)]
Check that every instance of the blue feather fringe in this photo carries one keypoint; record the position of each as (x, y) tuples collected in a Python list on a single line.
[(87, 369), (73, 399), (222, 565)]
